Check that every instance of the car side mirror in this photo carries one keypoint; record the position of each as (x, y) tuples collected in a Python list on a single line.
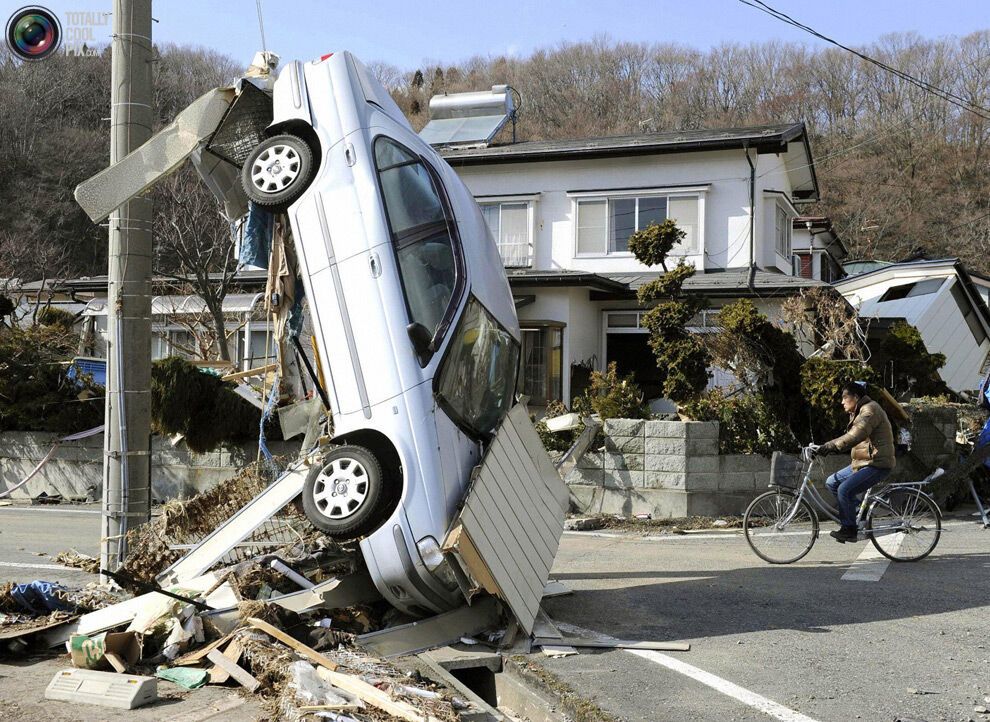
[(422, 341)]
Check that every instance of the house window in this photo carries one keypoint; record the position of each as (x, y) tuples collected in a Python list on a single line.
[(782, 232), (604, 225), (910, 290), (969, 313), (510, 227), (542, 363)]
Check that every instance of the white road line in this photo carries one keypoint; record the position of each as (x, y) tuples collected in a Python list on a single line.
[(48, 509), (19, 565), (730, 689), (870, 565)]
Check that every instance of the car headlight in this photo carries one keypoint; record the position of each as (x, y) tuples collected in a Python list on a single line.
[(435, 562)]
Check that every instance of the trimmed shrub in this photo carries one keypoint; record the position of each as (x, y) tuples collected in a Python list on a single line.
[(561, 440), (903, 361), (748, 423), (612, 396), (56, 317)]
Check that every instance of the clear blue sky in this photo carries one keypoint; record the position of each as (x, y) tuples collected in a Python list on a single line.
[(406, 33)]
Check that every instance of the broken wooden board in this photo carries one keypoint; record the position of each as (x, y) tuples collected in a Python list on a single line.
[(284, 638), (241, 675), (218, 674), (509, 529), (333, 594), (373, 696), (438, 631), (550, 638)]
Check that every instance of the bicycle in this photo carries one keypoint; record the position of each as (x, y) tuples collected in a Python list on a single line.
[(781, 525)]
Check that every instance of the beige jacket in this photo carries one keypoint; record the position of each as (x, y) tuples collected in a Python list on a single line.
[(869, 436)]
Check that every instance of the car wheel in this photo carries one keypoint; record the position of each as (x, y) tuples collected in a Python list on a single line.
[(278, 171), (343, 493)]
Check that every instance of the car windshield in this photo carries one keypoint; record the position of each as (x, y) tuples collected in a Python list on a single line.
[(478, 376)]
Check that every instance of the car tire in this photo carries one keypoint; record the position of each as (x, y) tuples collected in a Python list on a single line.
[(344, 492), (278, 171)]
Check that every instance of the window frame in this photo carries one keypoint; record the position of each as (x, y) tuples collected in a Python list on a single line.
[(543, 327), (694, 192), (786, 224), (530, 229), (421, 232)]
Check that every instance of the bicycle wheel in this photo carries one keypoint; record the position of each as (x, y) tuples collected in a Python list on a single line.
[(775, 534), (904, 525)]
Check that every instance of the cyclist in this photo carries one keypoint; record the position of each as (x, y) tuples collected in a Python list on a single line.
[(870, 441)]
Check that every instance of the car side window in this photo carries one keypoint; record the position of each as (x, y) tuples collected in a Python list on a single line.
[(420, 232)]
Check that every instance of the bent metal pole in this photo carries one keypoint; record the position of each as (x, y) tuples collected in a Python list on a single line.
[(127, 439)]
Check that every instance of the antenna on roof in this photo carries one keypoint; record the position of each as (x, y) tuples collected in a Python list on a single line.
[(474, 118)]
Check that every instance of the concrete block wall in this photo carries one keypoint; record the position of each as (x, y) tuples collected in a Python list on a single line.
[(667, 469), (76, 468)]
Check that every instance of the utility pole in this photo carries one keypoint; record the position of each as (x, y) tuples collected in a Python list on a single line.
[(127, 436)]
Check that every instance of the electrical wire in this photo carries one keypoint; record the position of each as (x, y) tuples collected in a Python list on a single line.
[(941, 93), (261, 27)]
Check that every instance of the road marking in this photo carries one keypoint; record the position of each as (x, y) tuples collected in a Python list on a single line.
[(730, 689), (870, 565), (49, 509), (19, 565)]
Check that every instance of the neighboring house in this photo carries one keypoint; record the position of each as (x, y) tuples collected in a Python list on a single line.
[(941, 299), (562, 213), (818, 250)]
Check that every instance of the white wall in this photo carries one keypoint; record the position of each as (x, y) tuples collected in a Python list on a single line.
[(725, 220)]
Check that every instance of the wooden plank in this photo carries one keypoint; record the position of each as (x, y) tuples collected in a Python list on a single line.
[(535, 483), (250, 372), (241, 675), (218, 674), (284, 638), (437, 631), (374, 696), (195, 656)]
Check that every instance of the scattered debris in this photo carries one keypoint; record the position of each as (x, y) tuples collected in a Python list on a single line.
[(77, 560), (584, 524), (107, 689)]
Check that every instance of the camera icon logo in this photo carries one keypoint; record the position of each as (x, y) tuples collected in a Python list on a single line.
[(33, 33)]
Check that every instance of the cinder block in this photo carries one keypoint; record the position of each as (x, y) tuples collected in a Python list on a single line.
[(702, 429), (624, 462), (744, 462), (666, 463), (618, 479), (702, 463), (737, 481), (666, 429), (663, 480), (702, 482), (624, 427), (665, 445), (625, 444), (702, 447)]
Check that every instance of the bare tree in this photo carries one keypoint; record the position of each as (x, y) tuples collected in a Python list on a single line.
[(195, 248)]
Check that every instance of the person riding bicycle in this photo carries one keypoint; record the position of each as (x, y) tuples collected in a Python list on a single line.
[(870, 441)]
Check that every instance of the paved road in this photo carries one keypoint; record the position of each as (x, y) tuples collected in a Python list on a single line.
[(800, 636)]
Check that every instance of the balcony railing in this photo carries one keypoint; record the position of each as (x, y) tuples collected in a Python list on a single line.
[(516, 255)]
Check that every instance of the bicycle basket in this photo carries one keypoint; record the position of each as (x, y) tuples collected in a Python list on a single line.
[(786, 470)]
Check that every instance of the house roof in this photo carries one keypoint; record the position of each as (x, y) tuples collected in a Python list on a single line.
[(817, 225), (762, 138), (527, 277), (728, 282), (943, 265)]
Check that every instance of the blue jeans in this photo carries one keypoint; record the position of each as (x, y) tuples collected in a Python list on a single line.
[(847, 484)]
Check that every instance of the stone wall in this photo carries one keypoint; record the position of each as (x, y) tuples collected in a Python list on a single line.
[(76, 468), (667, 469)]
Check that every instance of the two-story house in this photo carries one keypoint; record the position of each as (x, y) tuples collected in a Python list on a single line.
[(562, 213)]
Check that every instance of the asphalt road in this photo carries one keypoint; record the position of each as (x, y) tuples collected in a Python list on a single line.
[(800, 636)]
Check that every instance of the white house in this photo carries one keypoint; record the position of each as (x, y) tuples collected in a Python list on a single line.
[(562, 213), (939, 298), (818, 250)]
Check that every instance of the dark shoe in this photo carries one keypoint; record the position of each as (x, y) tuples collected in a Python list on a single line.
[(845, 534)]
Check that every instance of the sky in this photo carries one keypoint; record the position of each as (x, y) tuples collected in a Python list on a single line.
[(408, 34)]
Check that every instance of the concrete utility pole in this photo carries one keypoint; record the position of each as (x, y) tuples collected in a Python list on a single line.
[(127, 437)]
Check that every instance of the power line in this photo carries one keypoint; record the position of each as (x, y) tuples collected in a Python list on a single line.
[(942, 93)]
